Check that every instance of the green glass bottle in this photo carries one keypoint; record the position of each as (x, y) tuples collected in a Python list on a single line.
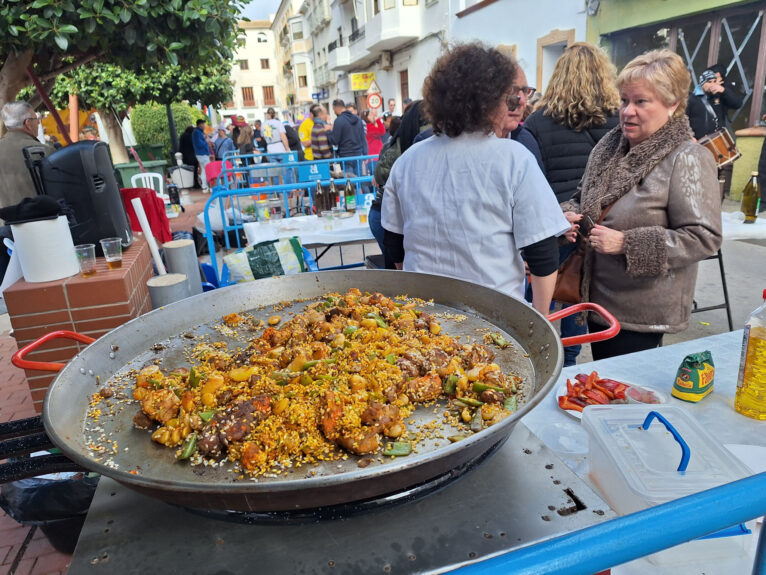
[(751, 199)]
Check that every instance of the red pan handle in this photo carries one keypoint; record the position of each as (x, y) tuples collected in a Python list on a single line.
[(608, 333), (18, 357)]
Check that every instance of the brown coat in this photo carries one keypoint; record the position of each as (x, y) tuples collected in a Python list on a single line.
[(667, 203), (15, 179)]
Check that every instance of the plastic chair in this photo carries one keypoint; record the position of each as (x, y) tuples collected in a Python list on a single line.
[(151, 180)]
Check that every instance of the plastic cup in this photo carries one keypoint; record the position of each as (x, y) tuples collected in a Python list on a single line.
[(112, 248), (327, 215), (362, 215), (86, 255)]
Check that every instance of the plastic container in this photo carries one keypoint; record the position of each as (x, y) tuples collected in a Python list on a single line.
[(635, 468)]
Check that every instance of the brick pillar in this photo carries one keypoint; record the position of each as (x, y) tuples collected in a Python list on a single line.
[(92, 306)]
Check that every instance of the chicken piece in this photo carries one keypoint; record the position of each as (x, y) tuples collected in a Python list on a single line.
[(409, 369), (424, 388), (436, 358), (161, 405), (252, 456), (332, 411), (385, 418), (361, 442), (233, 424), (477, 353), (424, 321)]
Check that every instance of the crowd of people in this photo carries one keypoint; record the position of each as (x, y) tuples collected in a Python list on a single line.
[(315, 137), (487, 180)]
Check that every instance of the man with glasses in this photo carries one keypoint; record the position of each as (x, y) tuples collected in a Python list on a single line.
[(21, 123)]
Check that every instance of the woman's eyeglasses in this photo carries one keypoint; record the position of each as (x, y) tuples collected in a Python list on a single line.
[(513, 100)]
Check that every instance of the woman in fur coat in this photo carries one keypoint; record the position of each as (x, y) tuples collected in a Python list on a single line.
[(657, 192)]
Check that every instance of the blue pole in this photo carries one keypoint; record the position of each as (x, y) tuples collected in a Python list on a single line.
[(636, 535)]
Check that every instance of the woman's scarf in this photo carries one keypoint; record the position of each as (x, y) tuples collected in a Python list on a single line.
[(614, 168)]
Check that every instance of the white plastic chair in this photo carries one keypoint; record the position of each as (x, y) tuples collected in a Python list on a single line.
[(150, 180)]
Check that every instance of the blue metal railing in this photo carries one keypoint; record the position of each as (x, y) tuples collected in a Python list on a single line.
[(221, 195), (639, 534)]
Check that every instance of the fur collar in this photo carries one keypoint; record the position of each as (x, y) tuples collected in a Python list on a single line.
[(614, 168)]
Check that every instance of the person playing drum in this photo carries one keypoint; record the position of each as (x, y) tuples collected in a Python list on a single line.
[(708, 110)]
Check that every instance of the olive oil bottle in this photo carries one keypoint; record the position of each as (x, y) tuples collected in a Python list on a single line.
[(750, 399), (751, 198)]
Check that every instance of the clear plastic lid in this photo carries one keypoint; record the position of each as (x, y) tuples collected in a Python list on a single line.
[(649, 459)]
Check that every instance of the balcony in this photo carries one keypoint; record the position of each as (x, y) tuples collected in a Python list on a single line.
[(337, 58), (392, 28), (356, 35), (357, 52)]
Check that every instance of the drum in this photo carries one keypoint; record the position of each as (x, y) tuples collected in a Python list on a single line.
[(721, 145)]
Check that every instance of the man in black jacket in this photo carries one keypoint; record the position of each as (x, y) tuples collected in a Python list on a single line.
[(347, 134), (708, 109)]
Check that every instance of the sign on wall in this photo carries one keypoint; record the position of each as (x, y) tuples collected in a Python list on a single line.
[(361, 81)]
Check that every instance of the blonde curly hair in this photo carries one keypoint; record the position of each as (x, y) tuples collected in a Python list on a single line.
[(665, 72), (581, 92)]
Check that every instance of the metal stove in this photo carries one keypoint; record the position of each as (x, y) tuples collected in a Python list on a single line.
[(521, 495)]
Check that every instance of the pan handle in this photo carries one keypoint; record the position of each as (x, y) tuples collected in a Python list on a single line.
[(608, 333), (18, 357)]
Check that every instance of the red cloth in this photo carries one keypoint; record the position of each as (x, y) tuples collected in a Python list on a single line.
[(214, 169), (375, 131), (155, 212)]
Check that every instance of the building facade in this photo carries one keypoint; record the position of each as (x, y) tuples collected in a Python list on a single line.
[(702, 32), (255, 74)]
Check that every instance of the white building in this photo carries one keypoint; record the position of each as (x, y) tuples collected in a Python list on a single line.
[(255, 74)]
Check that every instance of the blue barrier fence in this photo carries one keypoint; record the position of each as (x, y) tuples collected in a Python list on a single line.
[(231, 216)]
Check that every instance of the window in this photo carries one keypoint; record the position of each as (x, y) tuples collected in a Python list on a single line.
[(297, 29), (262, 38), (300, 69), (264, 63), (340, 36), (229, 104), (247, 97), (243, 65), (404, 83), (268, 96), (375, 6)]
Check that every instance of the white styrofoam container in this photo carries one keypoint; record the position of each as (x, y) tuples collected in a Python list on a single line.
[(636, 468)]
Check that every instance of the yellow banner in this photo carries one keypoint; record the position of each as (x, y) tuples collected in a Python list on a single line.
[(360, 82)]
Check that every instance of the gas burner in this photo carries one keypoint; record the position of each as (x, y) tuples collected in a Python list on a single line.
[(345, 510)]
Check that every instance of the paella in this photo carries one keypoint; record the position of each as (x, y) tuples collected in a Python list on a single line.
[(339, 379)]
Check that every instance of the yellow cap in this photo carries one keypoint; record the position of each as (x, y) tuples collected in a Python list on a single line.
[(754, 173)]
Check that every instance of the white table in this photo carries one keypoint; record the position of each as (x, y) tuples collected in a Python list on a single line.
[(656, 368), (735, 228), (312, 231)]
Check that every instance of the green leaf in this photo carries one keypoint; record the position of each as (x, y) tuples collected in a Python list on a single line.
[(151, 47), (13, 30), (67, 29), (125, 15), (61, 41), (39, 4), (175, 46)]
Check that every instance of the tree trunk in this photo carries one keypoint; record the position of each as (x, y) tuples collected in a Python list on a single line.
[(114, 132), (13, 77)]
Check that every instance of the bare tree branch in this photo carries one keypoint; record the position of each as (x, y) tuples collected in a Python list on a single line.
[(89, 57)]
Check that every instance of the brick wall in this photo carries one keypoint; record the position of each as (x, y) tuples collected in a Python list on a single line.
[(91, 306)]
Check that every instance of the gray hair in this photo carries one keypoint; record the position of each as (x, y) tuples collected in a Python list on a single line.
[(14, 114)]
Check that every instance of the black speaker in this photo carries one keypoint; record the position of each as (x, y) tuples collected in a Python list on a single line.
[(80, 177)]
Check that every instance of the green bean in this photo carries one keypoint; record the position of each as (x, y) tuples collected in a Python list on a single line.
[(470, 402), (189, 446), (509, 404), (206, 415), (450, 384), (311, 363), (194, 378), (499, 340), (350, 330), (479, 387), (398, 448), (379, 320), (391, 358), (477, 423)]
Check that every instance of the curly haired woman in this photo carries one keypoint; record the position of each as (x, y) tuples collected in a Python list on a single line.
[(466, 202)]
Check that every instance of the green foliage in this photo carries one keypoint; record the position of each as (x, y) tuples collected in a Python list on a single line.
[(150, 123), (136, 31)]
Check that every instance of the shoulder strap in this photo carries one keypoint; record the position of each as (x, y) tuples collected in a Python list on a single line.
[(605, 212), (710, 110)]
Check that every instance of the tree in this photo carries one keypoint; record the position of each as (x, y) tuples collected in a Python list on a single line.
[(112, 89), (56, 36)]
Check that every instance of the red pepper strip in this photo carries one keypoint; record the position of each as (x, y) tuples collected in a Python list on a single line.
[(602, 389), (573, 403), (581, 377), (570, 388), (597, 396), (592, 378), (619, 391), (618, 388)]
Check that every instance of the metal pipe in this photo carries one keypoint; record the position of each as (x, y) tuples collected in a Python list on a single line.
[(759, 564), (636, 535)]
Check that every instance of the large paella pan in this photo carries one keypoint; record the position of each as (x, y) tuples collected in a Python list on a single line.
[(164, 337)]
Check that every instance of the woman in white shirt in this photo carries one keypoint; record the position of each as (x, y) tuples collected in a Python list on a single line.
[(466, 203)]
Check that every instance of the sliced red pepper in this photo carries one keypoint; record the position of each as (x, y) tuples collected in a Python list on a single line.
[(573, 403), (592, 378), (581, 377), (570, 388), (597, 385), (597, 396), (618, 388)]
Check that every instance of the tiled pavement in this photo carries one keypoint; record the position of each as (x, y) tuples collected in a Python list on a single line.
[(24, 550)]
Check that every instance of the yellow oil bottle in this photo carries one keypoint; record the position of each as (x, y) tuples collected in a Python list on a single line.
[(750, 399)]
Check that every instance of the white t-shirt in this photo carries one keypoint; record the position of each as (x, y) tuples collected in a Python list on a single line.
[(271, 130), (467, 205)]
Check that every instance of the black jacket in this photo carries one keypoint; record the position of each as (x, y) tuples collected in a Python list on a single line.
[(565, 152), (700, 119), (348, 135)]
